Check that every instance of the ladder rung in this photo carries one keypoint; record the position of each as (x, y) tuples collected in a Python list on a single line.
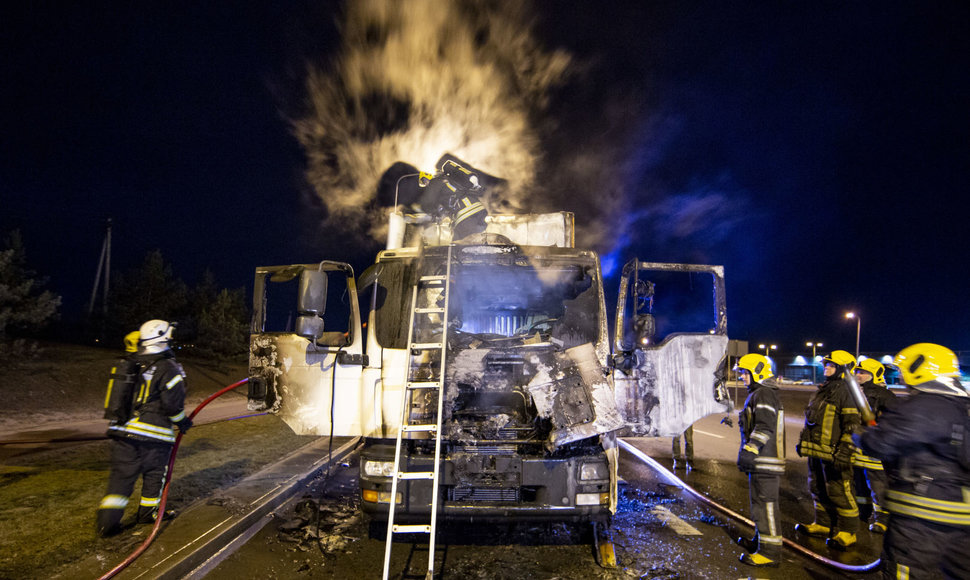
[(431, 310), (419, 528), (424, 384), (415, 475), (425, 345), (420, 428), (433, 278)]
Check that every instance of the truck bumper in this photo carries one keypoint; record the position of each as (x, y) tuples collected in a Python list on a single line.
[(490, 487)]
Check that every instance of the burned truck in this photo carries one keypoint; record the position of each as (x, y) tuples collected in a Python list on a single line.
[(474, 358), (480, 373)]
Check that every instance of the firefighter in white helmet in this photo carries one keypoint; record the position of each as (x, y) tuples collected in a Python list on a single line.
[(762, 457), (924, 447), (831, 419), (869, 474), (142, 435)]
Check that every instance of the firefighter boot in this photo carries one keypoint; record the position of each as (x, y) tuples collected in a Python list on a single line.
[(758, 560), (841, 541), (878, 525), (813, 529), (148, 515)]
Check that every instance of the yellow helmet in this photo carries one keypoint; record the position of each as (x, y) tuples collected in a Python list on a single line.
[(131, 341), (840, 358), (758, 365), (874, 368), (925, 362)]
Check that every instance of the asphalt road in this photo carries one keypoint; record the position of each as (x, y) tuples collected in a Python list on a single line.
[(660, 530)]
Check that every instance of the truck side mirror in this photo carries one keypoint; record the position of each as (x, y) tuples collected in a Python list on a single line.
[(313, 292), (309, 326), (311, 304)]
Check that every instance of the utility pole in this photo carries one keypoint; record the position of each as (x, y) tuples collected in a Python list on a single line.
[(104, 264)]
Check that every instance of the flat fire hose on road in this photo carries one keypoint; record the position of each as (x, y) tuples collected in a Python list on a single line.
[(168, 481), (738, 517)]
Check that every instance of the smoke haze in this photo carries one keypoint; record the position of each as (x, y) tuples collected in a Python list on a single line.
[(415, 79)]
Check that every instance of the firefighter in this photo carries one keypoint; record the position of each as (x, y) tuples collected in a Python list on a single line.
[(830, 421), (454, 191), (869, 471), (923, 446), (762, 457), (141, 445), (458, 190)]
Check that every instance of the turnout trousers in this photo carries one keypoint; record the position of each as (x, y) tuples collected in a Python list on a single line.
[(878, 483), (763, 494), (916, 549), (129, 459), (831, 489), (688, 436)]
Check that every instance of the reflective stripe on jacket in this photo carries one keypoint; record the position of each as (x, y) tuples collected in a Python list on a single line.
[(954, 513), (914, 439), (762, 424), (159, 401), (830, 420)]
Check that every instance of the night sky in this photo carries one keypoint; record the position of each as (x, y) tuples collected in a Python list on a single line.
[(819, 151)]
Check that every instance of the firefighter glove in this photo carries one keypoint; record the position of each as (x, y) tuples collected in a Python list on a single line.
[(727, 421), (746, 460), (843, 456), (184, 425)]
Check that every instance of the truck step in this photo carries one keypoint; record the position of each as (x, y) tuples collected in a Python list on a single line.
[(424, 384), (426, 345), (415, 475), (420, 529)]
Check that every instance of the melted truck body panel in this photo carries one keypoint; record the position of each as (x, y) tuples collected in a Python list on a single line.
[(666, 386)]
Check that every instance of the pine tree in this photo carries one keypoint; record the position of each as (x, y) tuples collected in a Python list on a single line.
[(223, 328), (24, 307), (148, 292)]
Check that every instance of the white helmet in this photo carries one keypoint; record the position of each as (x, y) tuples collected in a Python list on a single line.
[(154, 336)]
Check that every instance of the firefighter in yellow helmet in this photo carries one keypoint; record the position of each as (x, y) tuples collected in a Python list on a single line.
[(826, 440), (869, 476), (762, 457), (924, 447)]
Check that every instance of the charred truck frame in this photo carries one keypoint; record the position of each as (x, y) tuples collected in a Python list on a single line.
[(485, 369)]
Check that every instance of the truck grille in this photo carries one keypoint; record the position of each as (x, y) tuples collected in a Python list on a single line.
[(463, 493), (490, 449)]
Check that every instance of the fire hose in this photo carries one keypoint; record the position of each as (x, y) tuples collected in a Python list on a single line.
[(738, 517), (168, 481)]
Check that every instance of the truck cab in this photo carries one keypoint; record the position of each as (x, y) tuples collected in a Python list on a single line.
[(533, 392)]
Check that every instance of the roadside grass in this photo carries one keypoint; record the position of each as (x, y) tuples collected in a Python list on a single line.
[(50, 498)]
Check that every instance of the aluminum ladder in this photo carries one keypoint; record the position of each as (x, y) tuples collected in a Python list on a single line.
[(425, 380)]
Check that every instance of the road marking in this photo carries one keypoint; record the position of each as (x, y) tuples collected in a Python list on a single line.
[(708, 434), (675, 523)]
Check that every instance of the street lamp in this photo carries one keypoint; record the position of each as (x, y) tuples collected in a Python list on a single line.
[(767, 347), (858, 329), (814, 345)]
